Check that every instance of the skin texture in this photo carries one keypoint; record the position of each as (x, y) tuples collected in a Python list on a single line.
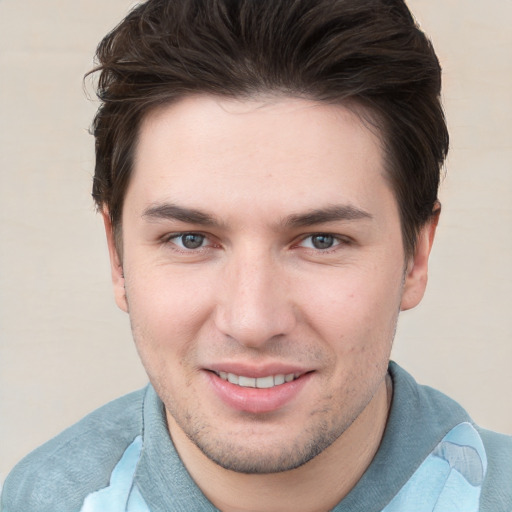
[(295, 265)]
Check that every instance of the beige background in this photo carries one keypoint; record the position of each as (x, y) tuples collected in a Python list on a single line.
[(65, 349)]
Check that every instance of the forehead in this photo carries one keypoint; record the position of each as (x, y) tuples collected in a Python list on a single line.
[(206, 150)]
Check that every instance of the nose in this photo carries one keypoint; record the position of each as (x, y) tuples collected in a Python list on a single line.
[(255, 305)]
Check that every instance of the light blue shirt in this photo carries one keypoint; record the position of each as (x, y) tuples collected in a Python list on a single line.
[(432, 458)]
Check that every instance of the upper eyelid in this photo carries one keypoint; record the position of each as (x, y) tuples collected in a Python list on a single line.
[(177, 234), (337, 236), (169, 237), (341, 239)]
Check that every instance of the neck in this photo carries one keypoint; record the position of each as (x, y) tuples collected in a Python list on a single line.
[(317, 486)]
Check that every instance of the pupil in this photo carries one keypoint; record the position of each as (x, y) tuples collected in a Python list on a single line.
[(322, 241), (192, 241)]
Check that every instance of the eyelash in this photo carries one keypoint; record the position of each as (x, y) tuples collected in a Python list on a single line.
[(171, 239), (338, 240)]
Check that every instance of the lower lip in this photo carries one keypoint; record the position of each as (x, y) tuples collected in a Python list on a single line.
[(256, 400)]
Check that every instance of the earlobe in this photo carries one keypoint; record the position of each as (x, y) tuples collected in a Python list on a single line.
[(416, 276), (116, 265)]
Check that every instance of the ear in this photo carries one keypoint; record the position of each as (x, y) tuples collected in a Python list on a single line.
[(116, 265), (416, 276)]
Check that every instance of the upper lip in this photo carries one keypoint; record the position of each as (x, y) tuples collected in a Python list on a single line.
[(256, 371)]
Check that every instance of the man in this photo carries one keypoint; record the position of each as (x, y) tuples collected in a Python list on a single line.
[(267, 172)]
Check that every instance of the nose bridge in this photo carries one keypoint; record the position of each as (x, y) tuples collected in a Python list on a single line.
[(254, 306)]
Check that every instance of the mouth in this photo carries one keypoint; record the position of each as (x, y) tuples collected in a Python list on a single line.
[(267, 382), (262, 391)]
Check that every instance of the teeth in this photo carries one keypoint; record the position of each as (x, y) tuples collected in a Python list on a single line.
[(261, 382), (280, 379), (246, 382), (265, 382)]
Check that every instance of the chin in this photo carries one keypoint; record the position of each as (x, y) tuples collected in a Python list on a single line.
[(244, 453)]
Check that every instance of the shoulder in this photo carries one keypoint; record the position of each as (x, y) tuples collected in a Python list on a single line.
[(497, 488), (76, 462), (423, 416)]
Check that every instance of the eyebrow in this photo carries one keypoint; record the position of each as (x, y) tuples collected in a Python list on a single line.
[(328, 214), (168, 211)]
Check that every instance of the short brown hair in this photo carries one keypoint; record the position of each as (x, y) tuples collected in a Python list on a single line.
[(368, 53)]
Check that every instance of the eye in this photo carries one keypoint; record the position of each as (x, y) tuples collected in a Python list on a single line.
[(188, 241), (320, 241)]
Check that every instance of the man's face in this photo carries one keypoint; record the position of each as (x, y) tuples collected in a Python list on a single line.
[(263, 271)]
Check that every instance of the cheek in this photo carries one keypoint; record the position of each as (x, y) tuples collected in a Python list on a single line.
[(165, 322), (166, 310), (355, 311)]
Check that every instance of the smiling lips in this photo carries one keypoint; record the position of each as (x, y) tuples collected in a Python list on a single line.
[(258, 395), (267, 382)]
